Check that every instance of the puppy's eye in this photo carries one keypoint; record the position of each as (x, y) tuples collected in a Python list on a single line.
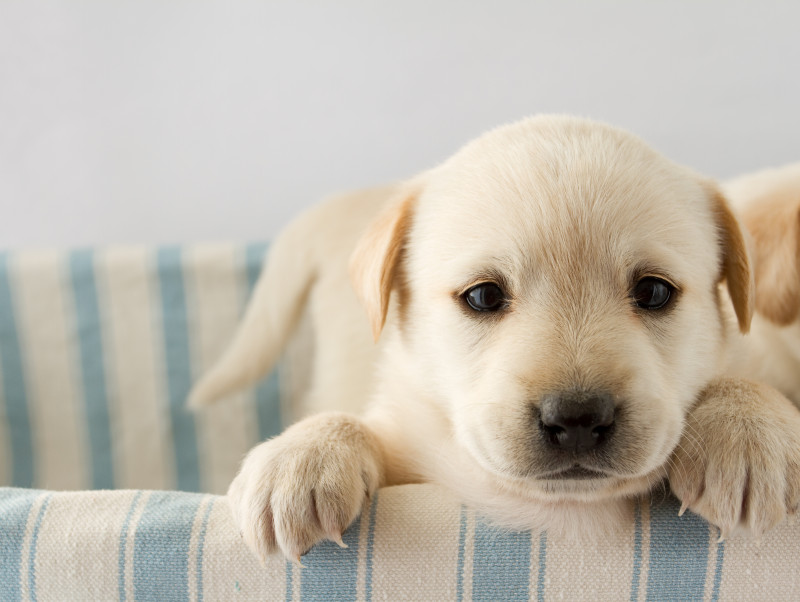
[(485, 297), (652, 293)]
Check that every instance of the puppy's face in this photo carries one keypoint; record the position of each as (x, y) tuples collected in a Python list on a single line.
[(557, 295)]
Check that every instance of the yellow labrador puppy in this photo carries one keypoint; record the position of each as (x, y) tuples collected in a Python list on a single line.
[(553, 340), (769, 205)]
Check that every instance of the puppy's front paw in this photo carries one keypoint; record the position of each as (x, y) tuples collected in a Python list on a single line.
[(306, 485), (738, 461)]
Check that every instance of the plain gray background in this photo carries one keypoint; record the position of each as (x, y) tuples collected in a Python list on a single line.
[(168, 122)]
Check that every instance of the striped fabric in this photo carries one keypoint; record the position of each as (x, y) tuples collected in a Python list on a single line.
[(97, 353), (98, 350), (410, 544)]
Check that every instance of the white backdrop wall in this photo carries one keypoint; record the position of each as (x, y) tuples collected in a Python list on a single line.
[(167, 122)]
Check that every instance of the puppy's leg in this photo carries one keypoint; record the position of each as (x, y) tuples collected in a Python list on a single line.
[(738, 462), (307, 484)]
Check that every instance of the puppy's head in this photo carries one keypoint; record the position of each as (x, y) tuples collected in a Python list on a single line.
[(772, 216), (557, 295)]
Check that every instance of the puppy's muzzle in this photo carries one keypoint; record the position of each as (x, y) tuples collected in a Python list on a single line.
[(577, 421)]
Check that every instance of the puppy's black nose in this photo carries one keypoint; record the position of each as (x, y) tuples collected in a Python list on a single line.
[(577, 421)]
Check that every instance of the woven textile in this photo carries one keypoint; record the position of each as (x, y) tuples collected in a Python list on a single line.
[(411, 543), (98, 350), (97, 353)]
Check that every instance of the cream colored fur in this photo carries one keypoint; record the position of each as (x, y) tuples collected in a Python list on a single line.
[(769, 205), (567, 214), (306, 272), (738, 463)]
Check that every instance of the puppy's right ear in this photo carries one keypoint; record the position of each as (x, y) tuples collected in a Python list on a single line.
[(373, 263), (774, 225), (737, 271)]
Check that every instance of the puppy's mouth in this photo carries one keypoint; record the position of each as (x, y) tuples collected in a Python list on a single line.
[(577, 473)]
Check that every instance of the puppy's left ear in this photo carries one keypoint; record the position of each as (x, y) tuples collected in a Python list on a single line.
[(773, 221), (373, 264), (736, 266)]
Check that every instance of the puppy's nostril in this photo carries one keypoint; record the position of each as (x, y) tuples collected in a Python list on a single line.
[(555, 434), (600, 433)]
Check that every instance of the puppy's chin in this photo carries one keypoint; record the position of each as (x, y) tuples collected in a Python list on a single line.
[(582, 480), (589, 486), (575, 483), (577, 473), (583, 507)]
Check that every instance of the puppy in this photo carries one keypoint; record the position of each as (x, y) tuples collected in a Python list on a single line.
[(769, 205), (553, 340), (721, 422)]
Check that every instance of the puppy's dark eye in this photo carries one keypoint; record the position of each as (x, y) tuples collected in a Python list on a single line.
[(485, 297), (652, 293)]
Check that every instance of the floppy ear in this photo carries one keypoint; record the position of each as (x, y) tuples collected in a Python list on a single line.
[(736, 268), (373, 263), (774, 224)]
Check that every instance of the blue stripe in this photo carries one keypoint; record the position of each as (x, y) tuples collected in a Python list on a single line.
[(462, 543), (540, 582), (501, 563), (90, 339), (179, 367), (637, 553), (331, 572), (32, 551), (718, 570), (678, 553), (373, 511), (268, 406), (15, 506), (14, 391), (267, 393), (201, 545), (123, 542), (161, 547)]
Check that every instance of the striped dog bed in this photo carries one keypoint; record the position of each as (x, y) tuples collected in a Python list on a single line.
[(412, 543), (98, 349)]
